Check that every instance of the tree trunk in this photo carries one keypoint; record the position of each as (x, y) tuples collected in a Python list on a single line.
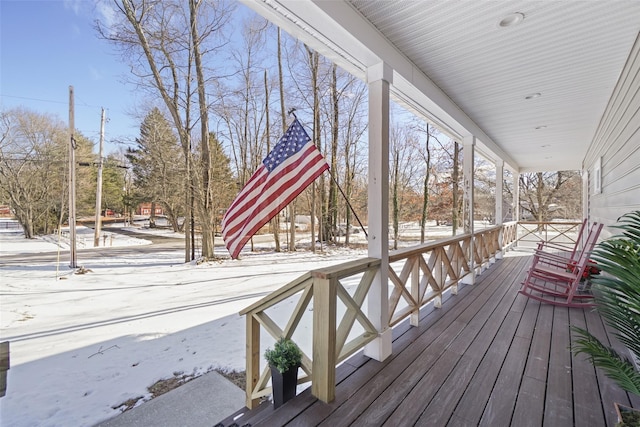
[(314, 63), (188, 197), (152, 216), (333, 184), (205, 215), (275, 222)]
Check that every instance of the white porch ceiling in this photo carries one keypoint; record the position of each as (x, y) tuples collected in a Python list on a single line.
[(455, 63)]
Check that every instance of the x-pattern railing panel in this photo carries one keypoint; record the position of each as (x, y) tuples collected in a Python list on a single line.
[(560, 232), (354, 312), (303, 289), (426, 272)]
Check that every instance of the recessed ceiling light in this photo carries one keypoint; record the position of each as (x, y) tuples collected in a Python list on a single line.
[(545, 145), (511, 19), (533, 95), (541, 127)]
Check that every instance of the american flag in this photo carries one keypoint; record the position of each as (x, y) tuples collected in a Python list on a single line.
[(288, 169)]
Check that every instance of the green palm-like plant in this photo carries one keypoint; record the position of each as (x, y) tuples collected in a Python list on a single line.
[(617, 297)]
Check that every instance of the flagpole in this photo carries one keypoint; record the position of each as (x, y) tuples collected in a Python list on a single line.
[(292, 112), (349, 204)]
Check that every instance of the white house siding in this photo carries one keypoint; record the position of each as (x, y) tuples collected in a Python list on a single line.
[(616, 145)]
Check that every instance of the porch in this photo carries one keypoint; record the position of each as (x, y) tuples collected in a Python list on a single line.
[(489, 356)]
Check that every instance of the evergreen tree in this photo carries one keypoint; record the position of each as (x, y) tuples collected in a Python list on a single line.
[(157, 167)]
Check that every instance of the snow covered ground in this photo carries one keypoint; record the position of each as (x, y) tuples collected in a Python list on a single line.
[(82, 344)]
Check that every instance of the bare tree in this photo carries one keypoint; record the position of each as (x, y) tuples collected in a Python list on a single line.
[(292, 205), (332, 201), (543, 194), (163, 42), (275, 222), (403, 168), (426, 156), (355, 126), (314, 65), (244, 105), (484, 195), (206, 215), (33, 168)]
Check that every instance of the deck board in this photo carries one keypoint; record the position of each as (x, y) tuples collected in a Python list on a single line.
[(558, 402), (490, 356), (585, 387)]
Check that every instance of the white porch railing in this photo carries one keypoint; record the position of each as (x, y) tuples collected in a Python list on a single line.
[(529, 233), (339, 326), (417, 276)]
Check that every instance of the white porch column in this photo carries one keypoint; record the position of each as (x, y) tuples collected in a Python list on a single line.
[(585, 194), (379, 78), (515, 208), (468, 156), (499, 195), (499, 191)]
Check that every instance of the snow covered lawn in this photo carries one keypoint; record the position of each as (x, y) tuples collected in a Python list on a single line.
[(82, 344)]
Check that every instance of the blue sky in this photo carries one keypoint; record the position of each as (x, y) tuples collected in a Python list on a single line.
[(46, 46)]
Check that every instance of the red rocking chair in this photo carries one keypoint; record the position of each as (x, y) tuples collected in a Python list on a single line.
[(556, 279)]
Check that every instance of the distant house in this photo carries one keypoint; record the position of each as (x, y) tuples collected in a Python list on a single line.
[(145, 209)]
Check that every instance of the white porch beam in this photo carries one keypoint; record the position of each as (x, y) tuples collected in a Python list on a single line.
[(379, 78)]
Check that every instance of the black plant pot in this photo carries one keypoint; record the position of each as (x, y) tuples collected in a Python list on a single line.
[(283, 385)]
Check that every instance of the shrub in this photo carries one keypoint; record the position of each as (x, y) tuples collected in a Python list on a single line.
[(284, 355)]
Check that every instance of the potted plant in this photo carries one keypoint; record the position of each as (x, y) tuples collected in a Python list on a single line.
[(588, 273), (627, 417), (617, 297), (284, 360)]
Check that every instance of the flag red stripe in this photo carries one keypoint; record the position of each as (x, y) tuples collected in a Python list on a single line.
[(255, 183)]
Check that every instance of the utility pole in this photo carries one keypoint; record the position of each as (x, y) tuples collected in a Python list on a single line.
[(98, 221), (72, 184)]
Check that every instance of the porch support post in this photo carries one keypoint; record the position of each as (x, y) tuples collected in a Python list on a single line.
[(253, 359), (499, 202), (379, 77), (468, 156), (323, 379)]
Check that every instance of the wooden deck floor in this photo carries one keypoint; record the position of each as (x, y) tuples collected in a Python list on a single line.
[(488, 357)]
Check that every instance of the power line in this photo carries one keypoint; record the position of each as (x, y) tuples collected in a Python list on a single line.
[(83, 104)]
